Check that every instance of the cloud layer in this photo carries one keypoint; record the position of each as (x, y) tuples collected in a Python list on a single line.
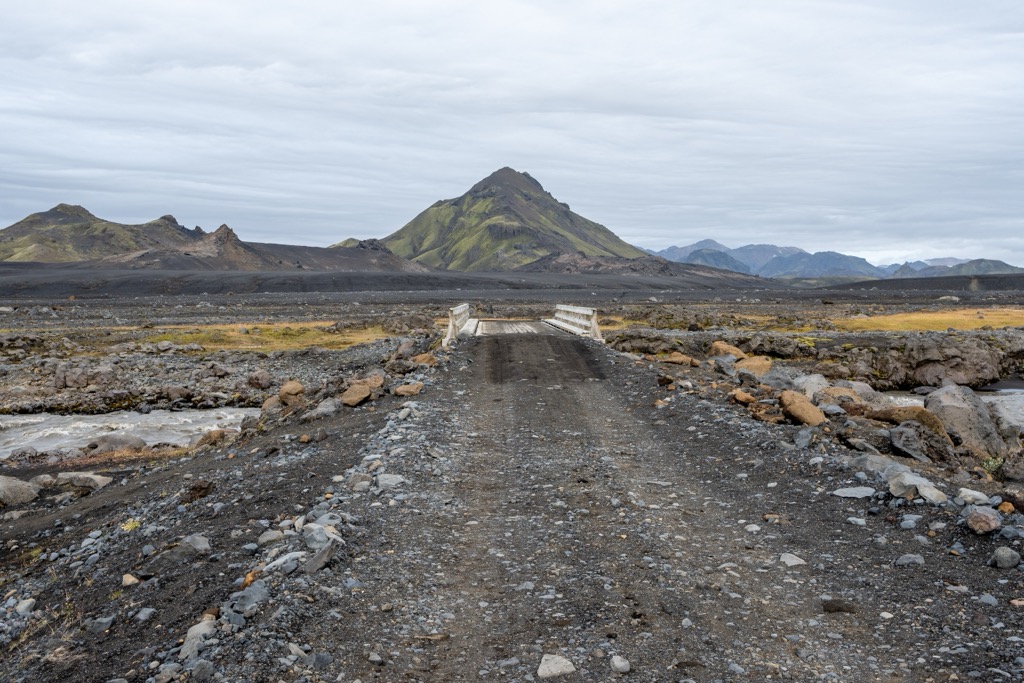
[(888, 130)]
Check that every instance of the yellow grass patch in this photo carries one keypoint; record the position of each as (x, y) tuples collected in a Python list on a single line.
[(957, 318), (614, 322), (265, 336)]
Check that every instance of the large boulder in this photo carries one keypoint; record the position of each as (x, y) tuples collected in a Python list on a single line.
[(292, 395), (355, 395), (85, 480), (967, 420), (951, 358), (917, 441), (1008, 422), (798, 408), (919, 414), (15, 491)]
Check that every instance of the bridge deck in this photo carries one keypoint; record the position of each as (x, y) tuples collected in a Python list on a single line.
[(488, 328)]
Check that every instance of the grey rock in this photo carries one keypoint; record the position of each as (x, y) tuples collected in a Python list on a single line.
[(390, 481), (620, 665), (14, 491), (916, 441), (1005, 558), (195, 636), (967, 420), (885, 468), (86, 480), (854, 492), (98, 625), (910, 485), (909, 559), (118, 441), (325, 408), (552, 666), (315, 536), (809, 385), (270, 536), (251, 596), (25, 606), (144, 614), (203, 670), (972, 497), (320, 560), (199, 542)]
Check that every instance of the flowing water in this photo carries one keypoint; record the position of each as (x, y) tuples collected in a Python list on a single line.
[(46, 432)]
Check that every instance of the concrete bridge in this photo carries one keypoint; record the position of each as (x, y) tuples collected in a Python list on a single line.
[(576, 320)]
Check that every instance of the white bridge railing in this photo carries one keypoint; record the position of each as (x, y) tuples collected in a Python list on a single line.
[(577, 320), (460, 324), (573, 319)]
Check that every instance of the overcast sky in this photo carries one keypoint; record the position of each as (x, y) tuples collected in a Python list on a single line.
[(889, 130)]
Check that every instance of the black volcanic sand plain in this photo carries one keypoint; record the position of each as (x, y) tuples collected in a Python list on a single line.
[(542, 497)]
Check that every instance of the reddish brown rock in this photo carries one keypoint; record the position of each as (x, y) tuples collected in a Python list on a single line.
[(409, 389), (983, 520), (799, 409), (425, 359), (355, 395), (371, 382), (721, 348), (677, 358), (759, 366), (740, 396), (291, 394)]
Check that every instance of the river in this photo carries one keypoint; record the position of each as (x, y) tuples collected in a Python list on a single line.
[(47, 432)]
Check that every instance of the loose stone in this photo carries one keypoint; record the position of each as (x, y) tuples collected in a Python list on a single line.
[(552, 666)]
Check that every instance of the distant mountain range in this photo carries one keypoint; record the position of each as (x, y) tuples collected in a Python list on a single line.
[(792, 263), (506, 222)]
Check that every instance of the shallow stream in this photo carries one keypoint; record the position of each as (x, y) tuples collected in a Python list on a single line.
[(47, 432)]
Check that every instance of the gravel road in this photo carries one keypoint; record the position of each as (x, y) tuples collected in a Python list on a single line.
[(543, 509)]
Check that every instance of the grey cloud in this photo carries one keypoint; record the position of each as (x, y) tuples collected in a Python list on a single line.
[(885, 130)]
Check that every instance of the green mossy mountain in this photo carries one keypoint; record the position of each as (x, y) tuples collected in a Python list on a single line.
[(71, 235), (505, 221), (68, 233)]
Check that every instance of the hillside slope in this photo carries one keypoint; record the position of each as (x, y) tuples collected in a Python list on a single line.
[(505, 221), (69, 233)]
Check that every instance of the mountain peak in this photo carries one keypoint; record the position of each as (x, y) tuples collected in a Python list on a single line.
[(223, 234), (67, 213), (503, 222), (507, 178)]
